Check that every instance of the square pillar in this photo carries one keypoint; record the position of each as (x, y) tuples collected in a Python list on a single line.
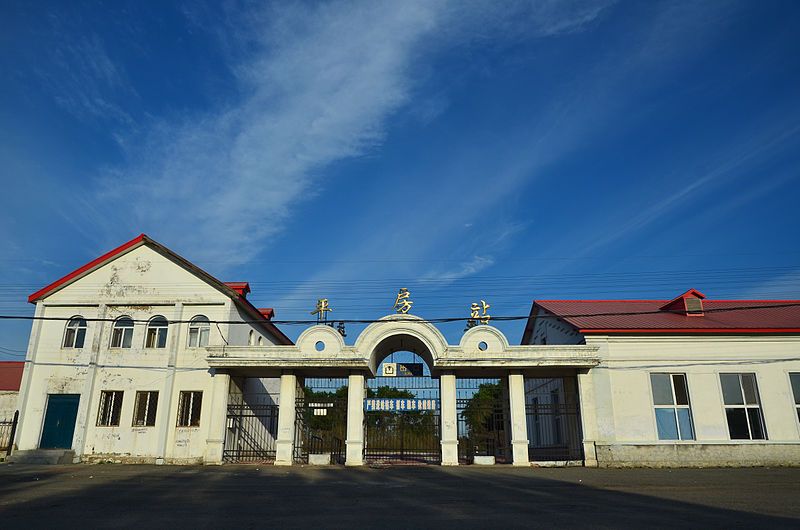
[(449, 419), (519, 426), (219, 415), (588, 418), (355, 421), (284, 445)]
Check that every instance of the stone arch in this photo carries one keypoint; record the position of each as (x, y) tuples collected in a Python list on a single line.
[(495, 340), (332, 340), (398, 333)]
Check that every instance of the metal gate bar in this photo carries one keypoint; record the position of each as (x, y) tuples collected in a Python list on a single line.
[(553, 416), (252, 430)]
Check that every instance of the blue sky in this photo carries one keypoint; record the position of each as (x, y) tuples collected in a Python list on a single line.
[(466, 150)]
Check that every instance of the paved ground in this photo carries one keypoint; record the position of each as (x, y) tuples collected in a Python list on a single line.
[(261, 496)]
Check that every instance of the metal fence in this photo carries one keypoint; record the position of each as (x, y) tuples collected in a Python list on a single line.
[(252, 428), (321, 420), (554, 424), (482, 411), (7, 430)]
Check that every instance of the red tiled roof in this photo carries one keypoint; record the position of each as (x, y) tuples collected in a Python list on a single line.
[(10, 375), (267, 312), (648, 316), (243, 288)]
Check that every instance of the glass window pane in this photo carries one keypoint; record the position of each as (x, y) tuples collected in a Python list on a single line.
[(662, 389), (795, 378), (151, 408), (685, 422), (737, 424), (203, 337), (749, 385), (193, 337), (69, 338), (731, 391), (681, 394), (80, 337), (162, 338), (667, 427), (197, 400), (127, 337), (756, 426)]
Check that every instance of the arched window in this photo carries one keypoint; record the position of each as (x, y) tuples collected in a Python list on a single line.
[(252, 338), (122, 334), (260, 341), (75, 332), (156, 333), (198, 331)]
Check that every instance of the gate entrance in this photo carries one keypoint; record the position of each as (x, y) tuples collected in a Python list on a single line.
[(553, 418), (252, 428), (483, 416), (402, 413), (321, 421)]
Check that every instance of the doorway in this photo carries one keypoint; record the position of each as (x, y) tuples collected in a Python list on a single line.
[(59, 421)]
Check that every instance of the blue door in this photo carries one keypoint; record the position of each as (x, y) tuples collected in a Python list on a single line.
[(59, 421)]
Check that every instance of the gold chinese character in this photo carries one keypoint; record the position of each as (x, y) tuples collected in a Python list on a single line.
[(321, 310), (477, 313), (402, 304)]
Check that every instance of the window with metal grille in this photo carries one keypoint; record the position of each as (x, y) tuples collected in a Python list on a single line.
[(110, 408), (673, 411), (156, 333), (144, 410), (189, 405), (75, 333), (742, 407), (122, 333)]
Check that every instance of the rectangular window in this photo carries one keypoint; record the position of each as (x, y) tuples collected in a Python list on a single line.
[(742, 407), (673, 411), (795, 379), (189, 406), (110, 408), (144, 410)]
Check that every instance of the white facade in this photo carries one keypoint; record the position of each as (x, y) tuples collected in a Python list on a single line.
[(141, 284)]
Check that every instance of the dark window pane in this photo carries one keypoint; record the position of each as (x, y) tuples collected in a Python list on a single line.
[(196, 405), (151, 408), (756, 425), (681, 394), (80, 338), (117, 409), (795, 378), (69, 338), (127, 337), (667, 427), (737, 424), (749, 385), (162, 338), (662, 389), (685, 421), (731, 391)]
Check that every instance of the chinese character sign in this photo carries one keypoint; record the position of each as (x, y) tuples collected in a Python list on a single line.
[(322, 310), (478, 313), (402, 303)]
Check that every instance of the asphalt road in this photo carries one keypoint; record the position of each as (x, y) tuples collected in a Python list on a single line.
[(398, 497)]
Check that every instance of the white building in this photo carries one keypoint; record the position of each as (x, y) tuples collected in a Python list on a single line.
[(140, 356)]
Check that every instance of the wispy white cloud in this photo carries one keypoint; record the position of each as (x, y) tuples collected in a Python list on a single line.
[(317, 85)]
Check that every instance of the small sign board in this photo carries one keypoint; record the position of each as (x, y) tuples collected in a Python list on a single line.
[(399, 404), (401, 370)]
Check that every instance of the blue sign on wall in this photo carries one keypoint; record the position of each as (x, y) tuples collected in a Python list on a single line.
[(399, 404)]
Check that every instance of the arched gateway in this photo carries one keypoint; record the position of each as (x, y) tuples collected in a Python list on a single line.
[(401, 393)]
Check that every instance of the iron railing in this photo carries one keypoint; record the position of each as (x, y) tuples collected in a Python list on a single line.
[(7, 430), (252, 429)]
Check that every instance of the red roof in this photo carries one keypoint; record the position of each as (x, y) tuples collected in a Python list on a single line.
[(237, 291), (267, 312), (650, 316), (10, 375)]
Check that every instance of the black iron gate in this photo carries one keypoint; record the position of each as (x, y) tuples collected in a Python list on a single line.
[(482, 408), (252, 428), (402, 413), (7, 430), (321, 421), (553, 417)]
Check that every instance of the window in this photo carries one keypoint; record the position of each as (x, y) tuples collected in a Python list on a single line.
[(189, 409), (251, 340), (198, 332), (742, 407), (122, 334), (110, 408), (75, 333), (156, 333), (260, 341), (671, 401), (144, 410), (795, 379)]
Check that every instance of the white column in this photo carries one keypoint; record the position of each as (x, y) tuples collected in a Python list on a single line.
[(519, 426), (219, 415), (588, 418), (284, 445), (166, 400), (28, 438), (83, 422), (449, 419), (355, 421)]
